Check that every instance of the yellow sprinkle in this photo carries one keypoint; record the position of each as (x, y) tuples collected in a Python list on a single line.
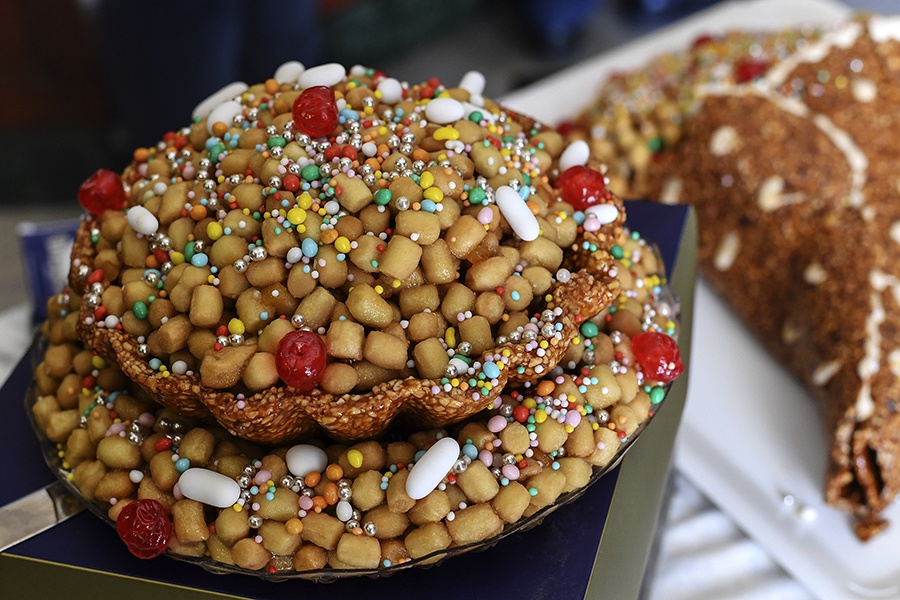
[(454, 382), (211, 279), (396, 283), (446, 133), (214, 230), (529, 403), (301, 228), (355, 458), (351, 84), (382, 130), (434, 193), (426, 180), (840, 82), (544, 344), (379, 289), (569, 429), (98, 362), (176, 257), (237, 507), (576, 340), (389, 474), (342, 244), (294, 526), (595, 426), (368, 110), (220, 179), (305, 201), (506, 352), (246, 211), (235, 325), (540, 415), (377, 94), (296, 215), (450, 337)]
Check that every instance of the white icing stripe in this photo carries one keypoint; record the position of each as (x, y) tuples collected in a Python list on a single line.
[(856, 158), (844, 37), (884, 27), (825, 372)]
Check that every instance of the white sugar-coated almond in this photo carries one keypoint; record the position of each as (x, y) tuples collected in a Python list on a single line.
[(605, 213), (209, 487), (289, 72), (429, 470), (303, 459), (576, 154), (142, 220), (517, 213), (444, 110), (328, 74), (391, 90), (206, 106), (224, 113), (473, 82)]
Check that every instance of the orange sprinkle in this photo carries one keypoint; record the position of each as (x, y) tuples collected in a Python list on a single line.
[(141, 154), (545, 388), (219, 129), (151, 262), (356, 531), (198, 212), (331, 493), (533, 206), (383, 150), (272, 86), (420, 154), (312, 479), (374, 163), (334, 471), (328, 236), (319, 503)]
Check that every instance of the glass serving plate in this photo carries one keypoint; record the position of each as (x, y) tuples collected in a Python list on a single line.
[(52, 458)]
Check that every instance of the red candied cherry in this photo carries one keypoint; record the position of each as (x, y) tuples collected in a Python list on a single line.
[(102, 191), (658, 355), (581, 186), (315, 111), (145, 528), (300, 359), (748, 70)]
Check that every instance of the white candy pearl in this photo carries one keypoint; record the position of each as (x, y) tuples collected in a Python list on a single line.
[(473, 82), (576, 154), (328, 74), (223, 113), (391, 90), (303, 459), (429, 470), (605, 213), (142, 220), (289, 72), (209, 487), (444, 110), (206, 106), (294, 255), (517, 213)]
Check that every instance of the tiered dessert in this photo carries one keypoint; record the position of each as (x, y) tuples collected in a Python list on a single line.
[(341, 322)]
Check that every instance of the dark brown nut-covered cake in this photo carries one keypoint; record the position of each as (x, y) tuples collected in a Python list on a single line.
[(786, 143), (257, 297)]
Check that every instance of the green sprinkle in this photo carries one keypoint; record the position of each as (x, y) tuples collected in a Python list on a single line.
[(657, 394), (477, 195), (589, 329), (475, 116), (617, 251), (140, 310), (383, 196), (310, 172)]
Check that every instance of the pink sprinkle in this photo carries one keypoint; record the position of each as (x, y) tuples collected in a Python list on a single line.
[(485, 216), (486, 457), (255, 506), (435, 389), (511, 472), (241, 404), (496, 443), (496, 424), (592, 224), (573, 418), (306, 502), (262, 477), (258, 539), (176, 491), (146, 419)]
